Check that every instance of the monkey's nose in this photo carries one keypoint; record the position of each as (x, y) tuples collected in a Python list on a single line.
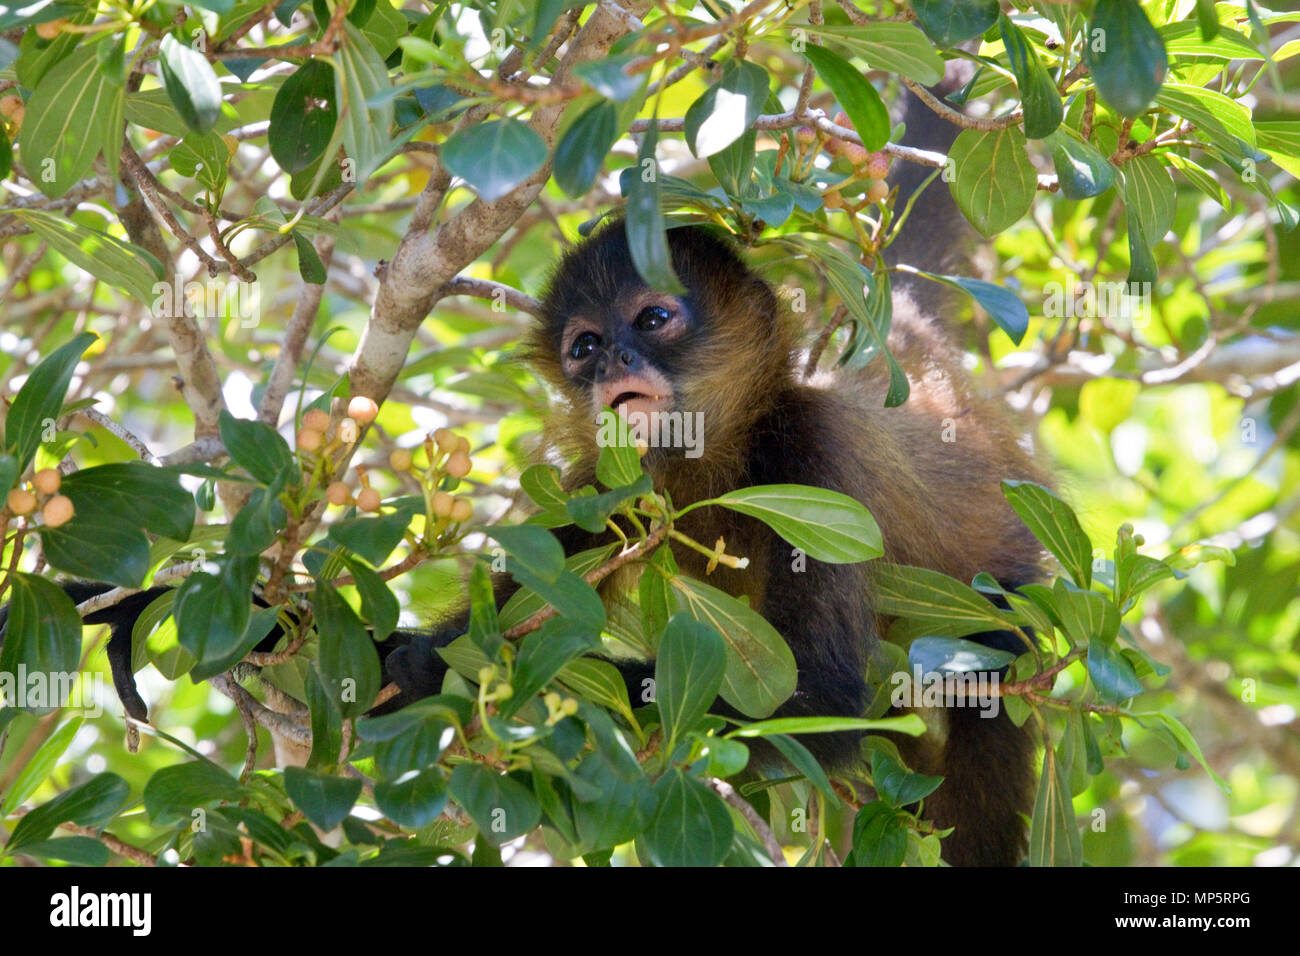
[(626, 357)]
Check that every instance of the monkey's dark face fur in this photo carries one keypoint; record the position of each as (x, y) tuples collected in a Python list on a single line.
[(607, 339)]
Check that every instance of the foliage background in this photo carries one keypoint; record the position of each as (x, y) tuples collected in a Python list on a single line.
[(1187, 428)]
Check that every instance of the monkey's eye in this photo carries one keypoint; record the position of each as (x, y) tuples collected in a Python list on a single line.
[(651, 318), (584, 345)]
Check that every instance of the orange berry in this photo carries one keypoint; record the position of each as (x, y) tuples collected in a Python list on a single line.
[(458, 464), (443, 504), (50, 28), (878, 191), (338, 493), (368, 499), (47, 481), (400, 460), (21, 501), (316, 418), (878, 166), (362, 409), (13, 108), (58, 510), (446, 439), (856, 155), (309, 439), (462, 509)]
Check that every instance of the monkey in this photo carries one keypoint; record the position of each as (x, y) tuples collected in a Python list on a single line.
[(729, 350)]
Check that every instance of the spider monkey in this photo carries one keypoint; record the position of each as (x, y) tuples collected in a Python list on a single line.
[(728, 349)]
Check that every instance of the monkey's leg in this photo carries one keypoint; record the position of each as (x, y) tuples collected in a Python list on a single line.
[(988, 770)]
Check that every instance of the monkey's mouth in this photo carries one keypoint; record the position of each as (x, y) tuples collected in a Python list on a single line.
[(635, 394)]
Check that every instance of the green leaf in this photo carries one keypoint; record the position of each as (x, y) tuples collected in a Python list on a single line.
[(1216, 116), (534, 549), (38, 769), (139, 495), (374, 538), (952, 655), (120, 264), (1149, 194), (910, 724), (174, 793), (879, 836), (190, 83), (324, 799), (43, 635), (723, 113), (599, 682), (379, 605), (414, 800), (541, 656), (72, 114), (361, 77), (949, 22), (859, 291), (91, 804), (827, 525), (541, 482), (760, 674), (348, 662), (618, 464), (1186, 38), (1086, 616), (1112, 673), (1003, 306), (501, 807), (644, 219), (256, 447), (581, 151), (1043, 110), (889, 45), (1188, 743), (1125, 56), (1054, 524), (77, 850), (897, 785), (1081, 168), (98, 548), (691, 825), (1053, 832), (857, 97), (592, 512), (40, 400), (688, 672), (945, 606), (525, 602), (260, 624), (303, 116), (733, 168), (995, 181), (1207, 19), (212, 610), (494, 157), (253, 529), (609, 78)]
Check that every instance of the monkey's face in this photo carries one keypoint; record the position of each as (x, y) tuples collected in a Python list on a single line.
[(621, 353)]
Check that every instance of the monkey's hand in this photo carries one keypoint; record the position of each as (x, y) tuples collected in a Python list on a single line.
[(412, 662)]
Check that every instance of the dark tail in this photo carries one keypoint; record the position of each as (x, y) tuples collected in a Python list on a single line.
[(936, 236)]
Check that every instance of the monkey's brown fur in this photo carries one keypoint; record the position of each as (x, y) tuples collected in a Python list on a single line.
[(938, 503)]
